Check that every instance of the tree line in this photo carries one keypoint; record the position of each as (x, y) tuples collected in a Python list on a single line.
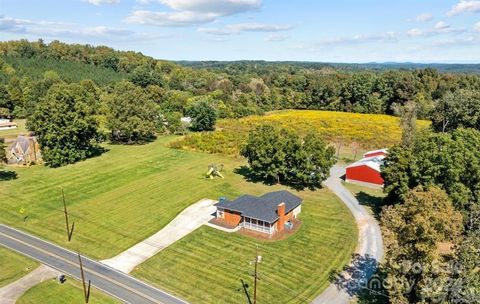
[(235, 89)]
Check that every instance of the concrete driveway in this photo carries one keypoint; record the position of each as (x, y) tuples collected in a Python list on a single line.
[(187, 221), (369, 250)]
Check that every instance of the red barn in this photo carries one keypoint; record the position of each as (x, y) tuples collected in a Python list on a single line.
[(381, 152), (366, 170)]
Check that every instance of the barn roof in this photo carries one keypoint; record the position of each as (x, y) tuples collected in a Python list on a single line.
[(264, 207), (384, 151), (373, 162)]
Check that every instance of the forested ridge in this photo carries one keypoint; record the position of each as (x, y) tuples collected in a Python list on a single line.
[(235, 89)]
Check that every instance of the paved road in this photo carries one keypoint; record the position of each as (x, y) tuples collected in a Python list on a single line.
[(187, 221), (369, 250), (103, 277)]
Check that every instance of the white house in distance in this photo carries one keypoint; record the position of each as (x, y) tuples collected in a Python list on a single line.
[(6, 124)]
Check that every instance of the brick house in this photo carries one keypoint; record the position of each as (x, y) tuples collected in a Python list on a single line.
[(269, 213)]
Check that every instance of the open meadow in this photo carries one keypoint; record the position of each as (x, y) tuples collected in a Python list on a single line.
[(347, 131)]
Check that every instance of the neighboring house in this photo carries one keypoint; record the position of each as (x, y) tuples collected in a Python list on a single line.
[(6, 124), (186, 120), (24, 150), (381, 152), (269, 213), (366, 170)]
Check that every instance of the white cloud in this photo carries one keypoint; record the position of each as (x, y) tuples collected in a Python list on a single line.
[(477, 27), (415, 33), (219, 7), (424, 17), (276, 37), (389, 37), (245, 27), (59, 30), (440, 28), (441, 25), (100, 2), (169, 19), (465, 7), (191, 12)]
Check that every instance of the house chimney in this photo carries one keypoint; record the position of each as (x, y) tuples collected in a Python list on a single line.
[(281, 216)]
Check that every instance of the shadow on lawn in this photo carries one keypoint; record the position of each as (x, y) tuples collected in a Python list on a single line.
[(245, 290), (7, 175), (361, 279)]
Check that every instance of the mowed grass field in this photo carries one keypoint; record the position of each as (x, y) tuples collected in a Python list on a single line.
[(343, 130), (119, 198), (208, 265), (13, 266), (71, 291), (116, 199)]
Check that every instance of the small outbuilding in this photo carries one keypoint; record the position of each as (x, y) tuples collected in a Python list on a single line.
[(366, 170), (6, 124), (380, 152)]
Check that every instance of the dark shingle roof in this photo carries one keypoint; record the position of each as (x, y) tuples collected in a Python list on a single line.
[(264, 207)]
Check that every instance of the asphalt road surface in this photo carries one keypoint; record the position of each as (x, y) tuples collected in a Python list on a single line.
[(115, 283)]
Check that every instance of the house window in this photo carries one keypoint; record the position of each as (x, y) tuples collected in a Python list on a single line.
[(220, 214)]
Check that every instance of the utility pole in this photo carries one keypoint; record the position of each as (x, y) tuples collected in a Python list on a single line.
[(255, 275), (86, 292), (69, 232)]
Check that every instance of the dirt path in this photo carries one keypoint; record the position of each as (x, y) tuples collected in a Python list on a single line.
[(369, 250)]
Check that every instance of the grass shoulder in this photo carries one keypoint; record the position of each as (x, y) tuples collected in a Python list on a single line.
[(69, 292), (13, 266)]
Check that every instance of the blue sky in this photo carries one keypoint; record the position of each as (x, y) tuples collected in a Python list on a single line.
[(303, 30)]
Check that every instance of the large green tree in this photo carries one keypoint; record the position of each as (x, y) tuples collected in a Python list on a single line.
[(204, 116), (282, 156), (457, 109), (413, 234), (448, 160), (64, 123), (131, 115)]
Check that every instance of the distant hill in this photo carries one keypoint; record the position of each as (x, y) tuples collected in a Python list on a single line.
[(443, 67)]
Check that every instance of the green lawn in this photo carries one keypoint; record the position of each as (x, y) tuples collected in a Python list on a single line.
[(208, 265), (131, 192), (13, 133), (69, 292), (13, 266), (119, 198)]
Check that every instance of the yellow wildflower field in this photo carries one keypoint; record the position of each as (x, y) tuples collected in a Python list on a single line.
[(367, 131)]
